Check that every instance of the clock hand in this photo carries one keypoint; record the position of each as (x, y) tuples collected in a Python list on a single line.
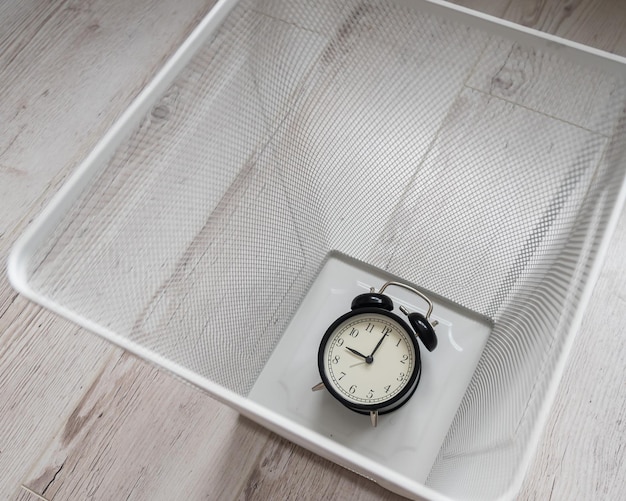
[(358, 363), (377, 346), (369, 359), (358, 354)]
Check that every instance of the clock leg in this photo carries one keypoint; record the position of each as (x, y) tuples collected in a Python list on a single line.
[(318, 387), (374, 418)]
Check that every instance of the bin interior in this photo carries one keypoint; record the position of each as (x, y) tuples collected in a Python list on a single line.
[(473, 163)]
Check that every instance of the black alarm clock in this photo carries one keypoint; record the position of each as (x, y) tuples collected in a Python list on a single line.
[(369, 358)]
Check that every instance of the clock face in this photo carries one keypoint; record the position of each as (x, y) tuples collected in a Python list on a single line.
[(368, 359)]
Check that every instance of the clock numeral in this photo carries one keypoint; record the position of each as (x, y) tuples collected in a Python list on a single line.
[(352, 388), (400, 377), (370, 394), (387, 388), (386, 330), (370, 327), (343, 374), (340, 341), (398, 343), (354, 332), (336, 359), (405, 357)]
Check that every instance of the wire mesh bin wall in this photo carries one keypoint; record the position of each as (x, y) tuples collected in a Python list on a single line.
[(477, 161)]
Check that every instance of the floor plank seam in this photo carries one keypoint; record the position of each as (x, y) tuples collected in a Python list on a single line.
[(30, 491), (534, 110)]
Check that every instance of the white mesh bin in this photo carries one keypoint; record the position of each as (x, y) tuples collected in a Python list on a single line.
[(292, 153)]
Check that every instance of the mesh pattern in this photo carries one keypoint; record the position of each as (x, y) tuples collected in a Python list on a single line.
[(480, 168)]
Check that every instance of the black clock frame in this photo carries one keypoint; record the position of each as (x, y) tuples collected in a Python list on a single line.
[(361, 305)]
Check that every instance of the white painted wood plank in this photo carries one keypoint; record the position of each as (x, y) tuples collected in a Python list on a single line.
[(137, 433), (544, 81), (286, 471), (45, 365), (23, 493), (77, 65), (598, 23), (68, 71)]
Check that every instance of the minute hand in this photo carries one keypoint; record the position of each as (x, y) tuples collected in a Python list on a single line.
[(378, 344)]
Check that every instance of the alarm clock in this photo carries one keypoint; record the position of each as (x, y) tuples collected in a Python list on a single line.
[(369, 358)]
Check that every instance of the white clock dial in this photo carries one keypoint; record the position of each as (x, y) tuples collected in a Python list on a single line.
[(369, 359)]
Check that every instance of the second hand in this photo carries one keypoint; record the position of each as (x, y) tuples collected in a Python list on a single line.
[(358, 363)]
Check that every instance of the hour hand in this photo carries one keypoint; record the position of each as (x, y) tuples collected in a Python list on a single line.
[(367, 358), (357, 353)]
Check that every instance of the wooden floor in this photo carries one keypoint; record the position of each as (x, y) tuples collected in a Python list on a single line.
[(80, 419)]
